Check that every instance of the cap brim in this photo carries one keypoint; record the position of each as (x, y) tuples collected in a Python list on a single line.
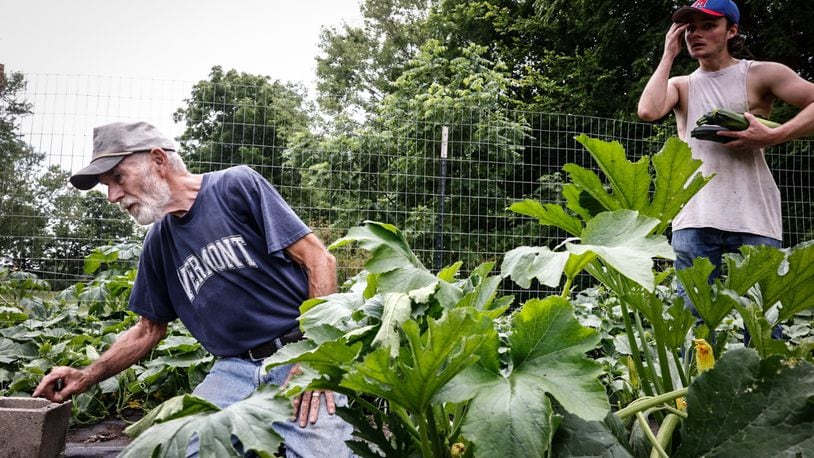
[(684, 12), (89, 176)]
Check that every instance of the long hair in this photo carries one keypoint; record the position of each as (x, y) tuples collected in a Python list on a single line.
[(737, 45)]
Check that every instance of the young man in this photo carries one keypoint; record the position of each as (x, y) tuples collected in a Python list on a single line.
[(229, 258), (741, 205)]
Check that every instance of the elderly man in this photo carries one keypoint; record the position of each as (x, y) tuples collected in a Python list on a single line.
[(229, 258)]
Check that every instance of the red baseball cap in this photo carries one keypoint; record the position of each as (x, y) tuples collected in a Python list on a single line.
[(714, 8)]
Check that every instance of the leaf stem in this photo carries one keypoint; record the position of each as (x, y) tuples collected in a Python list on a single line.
[(637, 357), (642, 404), (426, 444), (650, 436), (665, 434), (647, 355), (566, 289), (680, 368)]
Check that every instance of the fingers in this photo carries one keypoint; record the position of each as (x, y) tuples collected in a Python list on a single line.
[(306, 406), (330, 403), (756, 136), (674, 38), (51, 387), (313, 415), (302, 407), (295, 370)]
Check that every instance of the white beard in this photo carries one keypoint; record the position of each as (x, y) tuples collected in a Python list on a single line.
[(151, 207)]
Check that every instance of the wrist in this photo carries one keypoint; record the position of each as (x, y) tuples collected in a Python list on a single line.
[(87, 377)]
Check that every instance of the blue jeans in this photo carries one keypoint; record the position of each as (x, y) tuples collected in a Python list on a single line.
[(234, 379), (709, 243)]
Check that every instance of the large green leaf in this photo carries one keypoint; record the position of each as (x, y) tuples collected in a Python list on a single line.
[(482, 297), (11, 315), (249, 421), (712, 307), (9, 351), (397, 308), (335, 310), (746, 406), (587, 182), (176, 407), (629, 181), (327, 358), (426, 364), (524, 264), (386, 243), (548, 215), (676, 181), (398, 269), (510, 413), (577, 437), (621, 239), (549, 344), (794, 285), (509, 416), (750, 267)]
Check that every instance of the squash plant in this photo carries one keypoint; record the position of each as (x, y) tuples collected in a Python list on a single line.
[(440, 365), (766, 286)]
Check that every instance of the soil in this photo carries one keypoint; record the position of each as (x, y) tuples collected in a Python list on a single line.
[(101, 440)]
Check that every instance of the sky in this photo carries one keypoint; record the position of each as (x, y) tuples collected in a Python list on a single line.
[(168, 39), (90, 62)]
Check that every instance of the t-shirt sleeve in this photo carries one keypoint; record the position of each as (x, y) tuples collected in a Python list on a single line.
[(150, 301), (272, 215)]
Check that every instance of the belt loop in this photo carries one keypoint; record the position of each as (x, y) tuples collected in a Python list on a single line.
[(278, 343)]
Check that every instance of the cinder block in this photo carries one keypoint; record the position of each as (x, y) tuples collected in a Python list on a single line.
[(33, 427)]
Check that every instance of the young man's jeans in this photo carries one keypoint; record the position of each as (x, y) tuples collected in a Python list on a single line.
[(234, 379), (689, 244)]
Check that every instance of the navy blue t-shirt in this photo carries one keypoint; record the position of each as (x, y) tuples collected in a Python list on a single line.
[(221, 267)]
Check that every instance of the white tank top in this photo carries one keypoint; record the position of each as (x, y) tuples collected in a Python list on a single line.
[(743, 196)]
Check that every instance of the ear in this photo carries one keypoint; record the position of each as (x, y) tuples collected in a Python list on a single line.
[(732, 32), (159, 158)]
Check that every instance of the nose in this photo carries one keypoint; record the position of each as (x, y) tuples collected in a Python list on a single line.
[(114, 193)]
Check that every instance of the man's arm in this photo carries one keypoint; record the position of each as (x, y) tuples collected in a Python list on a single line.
[(318, 262), (130, 347), (320, 265), (661, 94), (777, 81)]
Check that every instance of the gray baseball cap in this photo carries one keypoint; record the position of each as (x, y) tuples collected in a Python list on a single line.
[(112, 143)]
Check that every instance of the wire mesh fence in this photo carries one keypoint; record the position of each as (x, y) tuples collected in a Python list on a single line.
[(444, 176)]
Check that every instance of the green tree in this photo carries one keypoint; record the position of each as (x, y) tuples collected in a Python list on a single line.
[(358, 64), (78, 224), (587, 57), (240, 118), (21, 220), (390, 169), (46, 226)]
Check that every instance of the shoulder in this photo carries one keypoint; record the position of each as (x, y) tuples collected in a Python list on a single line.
[(241, 176), (766, 71), (680, 84), (679, 80), (236, 173)]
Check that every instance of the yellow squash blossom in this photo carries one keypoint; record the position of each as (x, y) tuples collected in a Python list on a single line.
[(706, 358), (457, 450)]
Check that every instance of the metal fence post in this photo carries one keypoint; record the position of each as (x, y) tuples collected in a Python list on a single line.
[(439, 231)]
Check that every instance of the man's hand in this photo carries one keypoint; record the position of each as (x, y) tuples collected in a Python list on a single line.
[(674, 40), (756, 136), (61, 383), (306, 405)]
